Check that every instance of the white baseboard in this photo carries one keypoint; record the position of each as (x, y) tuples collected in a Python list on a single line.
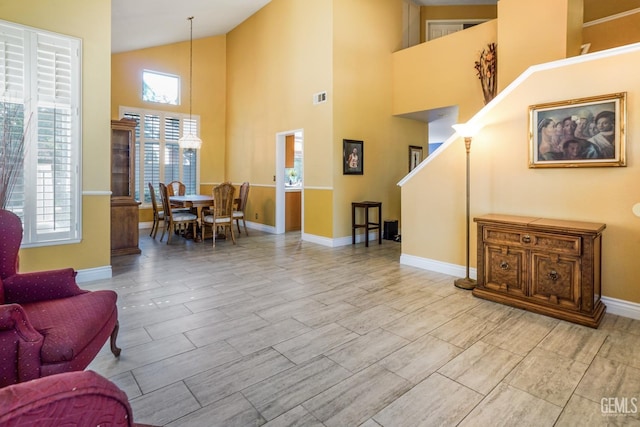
[(437, 266), (91, 274), (614, 306), (622, 308)]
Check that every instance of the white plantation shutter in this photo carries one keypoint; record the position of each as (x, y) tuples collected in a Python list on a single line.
[(158, 156), (12, 63), (41, 72)]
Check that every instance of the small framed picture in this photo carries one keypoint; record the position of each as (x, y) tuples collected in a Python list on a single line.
[(352, 157), (583, 132), (415, 156)]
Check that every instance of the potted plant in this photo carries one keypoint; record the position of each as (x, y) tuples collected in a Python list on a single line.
[(11, 149)]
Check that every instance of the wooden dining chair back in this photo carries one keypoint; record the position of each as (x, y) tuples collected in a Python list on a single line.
[(158, 214), (239, 211), (175, 220), (221, 216), (176, 188)]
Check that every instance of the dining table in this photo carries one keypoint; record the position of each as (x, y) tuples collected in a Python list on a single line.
[(197, 201)]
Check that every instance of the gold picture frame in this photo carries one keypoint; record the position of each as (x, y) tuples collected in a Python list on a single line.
[(415, 156), (584, 132)]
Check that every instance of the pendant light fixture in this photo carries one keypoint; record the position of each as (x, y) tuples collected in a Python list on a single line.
[(190, 141)]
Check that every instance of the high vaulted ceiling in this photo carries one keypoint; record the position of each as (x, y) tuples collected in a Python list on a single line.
[(140, 24)]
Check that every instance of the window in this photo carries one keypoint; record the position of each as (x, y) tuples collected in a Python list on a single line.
[(159, 158), (40, 98), (158, 87)]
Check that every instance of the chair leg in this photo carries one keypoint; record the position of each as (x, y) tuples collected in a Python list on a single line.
[(155, 233), (170, 231), (245, 226), (238, 224), (114, 334), (153, 226), (164, 229), (233, 237)]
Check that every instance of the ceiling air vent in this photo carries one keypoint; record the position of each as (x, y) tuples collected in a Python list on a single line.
[(319, 98)]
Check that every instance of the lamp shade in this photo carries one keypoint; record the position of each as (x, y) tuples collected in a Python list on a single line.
[(466, 130), (190, 142)]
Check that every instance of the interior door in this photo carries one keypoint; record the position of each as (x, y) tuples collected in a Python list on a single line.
[(436, 30)]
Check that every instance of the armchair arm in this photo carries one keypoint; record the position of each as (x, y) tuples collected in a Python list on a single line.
[(21, 344), (22, 288), (71, 398)]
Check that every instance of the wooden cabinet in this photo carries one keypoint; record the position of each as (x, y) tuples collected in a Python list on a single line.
[(542, 265), (293, 205), (124, 207), (290, 151)]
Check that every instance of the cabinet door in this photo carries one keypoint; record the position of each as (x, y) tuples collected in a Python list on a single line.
[(505, 269), (556, 279), (120, 163)]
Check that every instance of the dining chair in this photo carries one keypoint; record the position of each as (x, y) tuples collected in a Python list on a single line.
[(175, 220), (177, 188), (222, 213), (158, 215), (241, 203)]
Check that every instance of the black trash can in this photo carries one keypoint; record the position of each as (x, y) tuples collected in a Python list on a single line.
[(390, 229)]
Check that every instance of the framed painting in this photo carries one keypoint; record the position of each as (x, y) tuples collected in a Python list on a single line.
[(585, 132), (415, 156), (352, 157)]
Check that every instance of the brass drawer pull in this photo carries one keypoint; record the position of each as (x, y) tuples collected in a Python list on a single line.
[(504, 265), (526, 238), (553, 275)]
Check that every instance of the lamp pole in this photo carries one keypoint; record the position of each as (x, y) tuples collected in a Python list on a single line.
[(466, 131)]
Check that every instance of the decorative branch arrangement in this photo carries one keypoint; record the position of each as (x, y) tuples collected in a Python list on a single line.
[(486, 68), (11, 150)]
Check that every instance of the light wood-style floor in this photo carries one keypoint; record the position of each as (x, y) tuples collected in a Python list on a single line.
[(279, 332)]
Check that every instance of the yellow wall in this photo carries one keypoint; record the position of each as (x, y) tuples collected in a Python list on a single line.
[(597, 9), (367, 32), (276, 60), (76, 18), (208, 101), (421, 80), (618, 32), (536, 32)]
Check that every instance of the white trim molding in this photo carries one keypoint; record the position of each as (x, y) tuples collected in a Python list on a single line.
[(611, 17), (622, 308), (91, 274), (437, 266)]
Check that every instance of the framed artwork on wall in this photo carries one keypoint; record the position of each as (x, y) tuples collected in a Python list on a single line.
[(415, 156), (585, 132), (352, 157)]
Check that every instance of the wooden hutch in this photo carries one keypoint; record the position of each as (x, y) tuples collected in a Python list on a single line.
[(124, 206)]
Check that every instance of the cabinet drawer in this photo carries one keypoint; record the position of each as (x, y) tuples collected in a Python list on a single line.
[(556, 280), (505, 269), (564, 244), (502, 236)]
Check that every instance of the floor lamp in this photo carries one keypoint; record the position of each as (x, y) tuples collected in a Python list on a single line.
[(467, 131)]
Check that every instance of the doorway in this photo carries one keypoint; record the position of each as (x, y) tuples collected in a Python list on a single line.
[(289, 179)]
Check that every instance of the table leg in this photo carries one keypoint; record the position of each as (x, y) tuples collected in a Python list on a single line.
[(380, 224), (353, 225), (366, 227)]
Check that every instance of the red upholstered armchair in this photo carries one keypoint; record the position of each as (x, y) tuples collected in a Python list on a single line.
[(70, 399), (48, 325)]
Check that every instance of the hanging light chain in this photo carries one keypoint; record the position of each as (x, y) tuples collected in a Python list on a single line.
[(190, 67)]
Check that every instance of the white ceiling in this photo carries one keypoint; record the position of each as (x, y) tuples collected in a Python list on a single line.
[(145, 23), (140, 24)]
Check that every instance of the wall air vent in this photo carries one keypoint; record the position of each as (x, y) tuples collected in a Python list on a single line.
[(319, 98)]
